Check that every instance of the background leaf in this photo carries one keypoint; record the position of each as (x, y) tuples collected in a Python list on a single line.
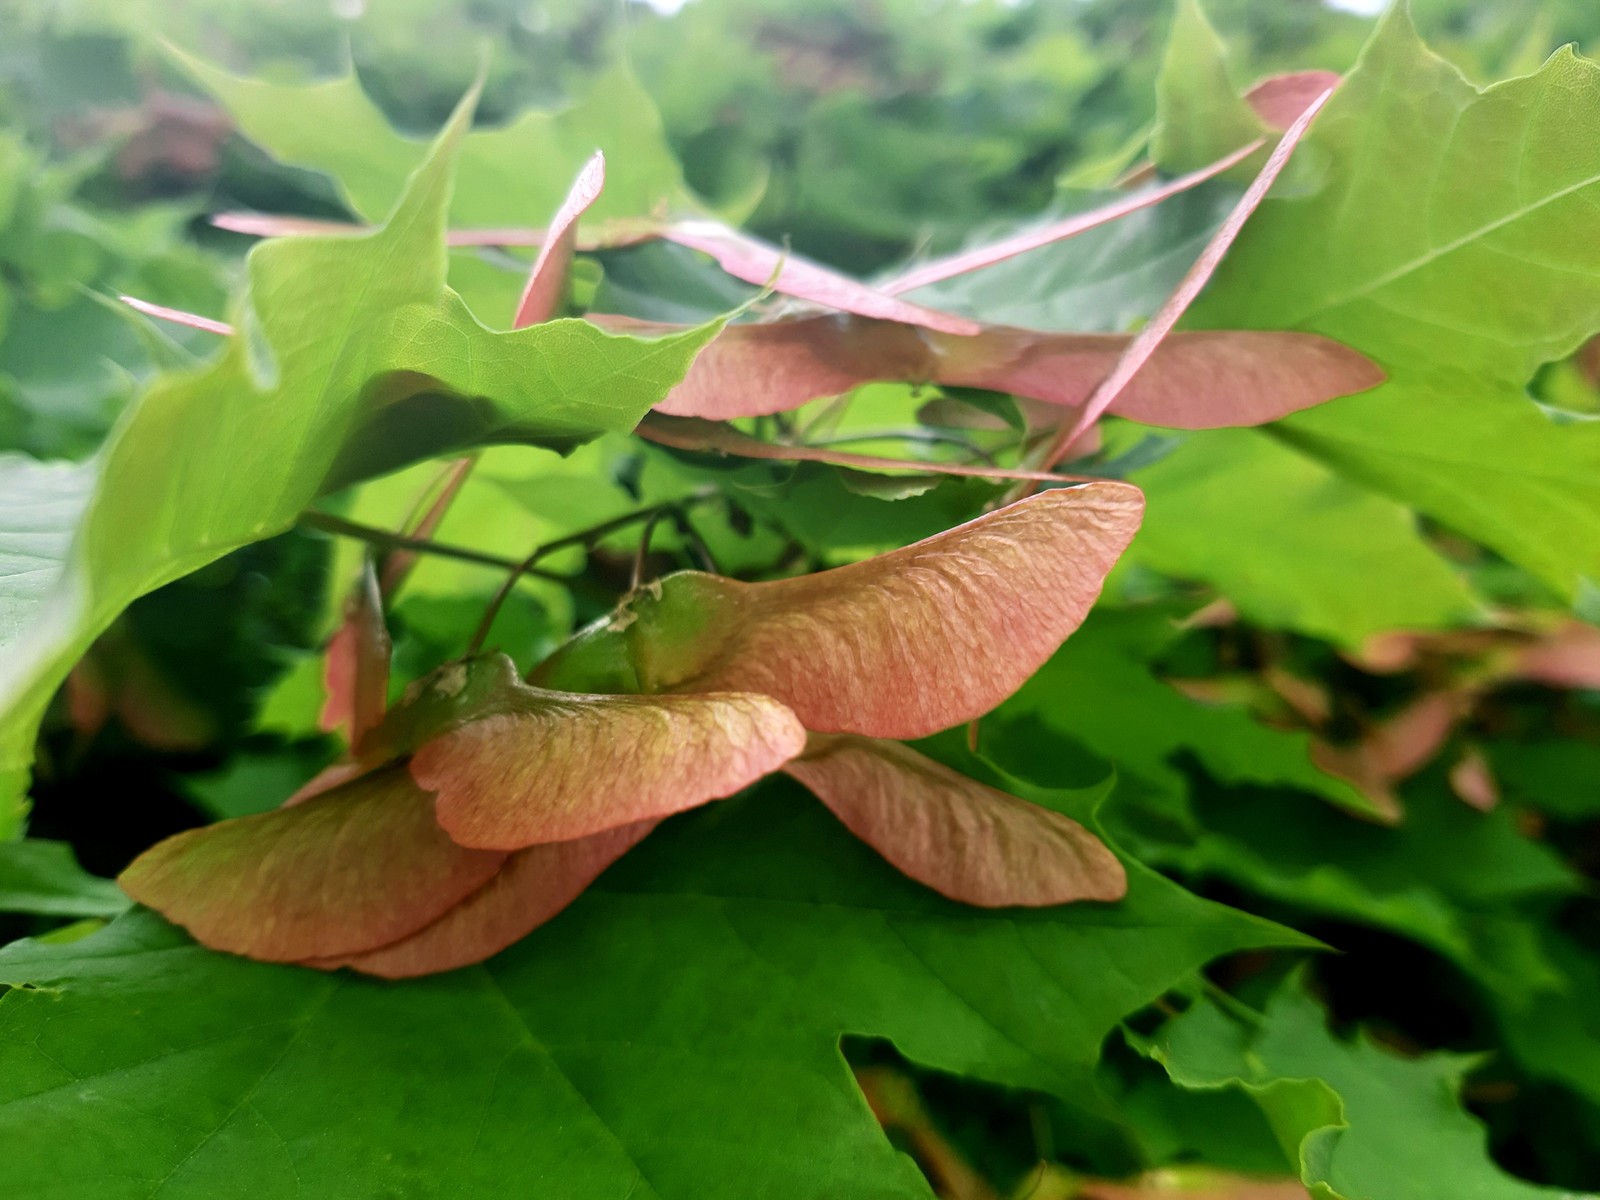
[(353, 359), (1421, 250)]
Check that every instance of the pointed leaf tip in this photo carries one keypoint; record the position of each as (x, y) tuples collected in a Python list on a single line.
[(962, 838), (358, 867)]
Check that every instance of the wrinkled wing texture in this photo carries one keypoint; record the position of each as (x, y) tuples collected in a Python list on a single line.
[(1193, 380), (534, 885), (562, 766), (925, 637), (355, 868), (961, 838), (1196, 380)]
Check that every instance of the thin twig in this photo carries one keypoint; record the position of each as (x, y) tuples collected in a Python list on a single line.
[(371, 534), (584, 537), (636, 577), (686, 529), (931, 436)]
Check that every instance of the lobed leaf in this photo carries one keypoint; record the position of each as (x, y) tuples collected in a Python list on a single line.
[(1199, 112), (333, 126), (351, 358), (1354, 1116), (675, 1032), (1442, 210)]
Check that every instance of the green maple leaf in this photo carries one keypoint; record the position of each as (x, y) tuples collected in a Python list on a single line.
[(1449, 243), (515, 175), (44, 877), (675, 1033), (1292, 543), (1476, 905), (1360, 1120), (1200, 115), (1098, 694), (1102, 281), (352, 358)]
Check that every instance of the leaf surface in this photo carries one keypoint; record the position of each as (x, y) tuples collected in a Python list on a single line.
[(1475, 905), (1292, 543), (507, 175), (43, 877), (1198, 109), (1444, 211), (674, 1033), (1360, 1120), (1103, 280), (1098, 693), (1049, 233)]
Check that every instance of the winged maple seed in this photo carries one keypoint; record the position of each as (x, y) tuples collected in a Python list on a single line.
[(482, 805)]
